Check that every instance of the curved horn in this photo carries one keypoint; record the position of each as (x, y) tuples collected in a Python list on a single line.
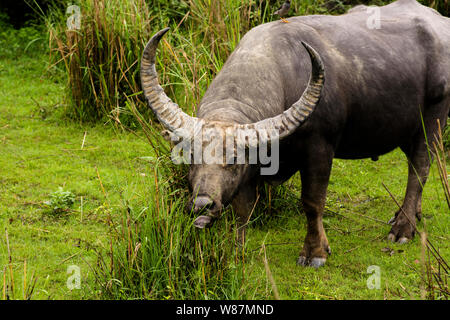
[(288, 121), (168, 113)]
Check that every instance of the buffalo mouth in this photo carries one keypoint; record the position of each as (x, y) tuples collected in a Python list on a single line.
[(207, 219), (208, 209), (203, 221)]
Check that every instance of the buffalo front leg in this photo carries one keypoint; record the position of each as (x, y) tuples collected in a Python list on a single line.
[(243, 204), (315, 176)]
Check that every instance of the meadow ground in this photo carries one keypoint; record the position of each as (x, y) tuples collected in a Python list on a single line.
[(40, 153), (106, 169)]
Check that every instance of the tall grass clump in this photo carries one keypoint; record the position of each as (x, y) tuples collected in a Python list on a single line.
[(101, 58), (157, 253)]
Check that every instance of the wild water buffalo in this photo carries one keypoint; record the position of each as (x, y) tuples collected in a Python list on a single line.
[(331, 87)]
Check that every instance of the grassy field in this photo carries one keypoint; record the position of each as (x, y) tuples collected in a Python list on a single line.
[(355, 222), (40, 153), (108, 168)]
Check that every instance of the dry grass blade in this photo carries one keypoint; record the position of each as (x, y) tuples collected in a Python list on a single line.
[(10, 266), (269, 274), (441, 161), (4, 284)]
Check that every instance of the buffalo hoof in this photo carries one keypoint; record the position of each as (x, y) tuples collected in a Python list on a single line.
[(314, 262), (307, 258), (202, 221), (401, 232), (403, 227), (401, 240)]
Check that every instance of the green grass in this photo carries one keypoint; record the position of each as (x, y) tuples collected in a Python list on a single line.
[(358, 208), (40, 152)]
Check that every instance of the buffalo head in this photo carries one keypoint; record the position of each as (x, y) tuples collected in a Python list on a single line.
[(215, 180)]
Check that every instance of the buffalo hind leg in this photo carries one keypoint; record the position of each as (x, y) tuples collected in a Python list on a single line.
[(404, 222), (315, 176)]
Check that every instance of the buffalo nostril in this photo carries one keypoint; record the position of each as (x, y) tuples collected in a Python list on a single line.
[(202, 202)]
